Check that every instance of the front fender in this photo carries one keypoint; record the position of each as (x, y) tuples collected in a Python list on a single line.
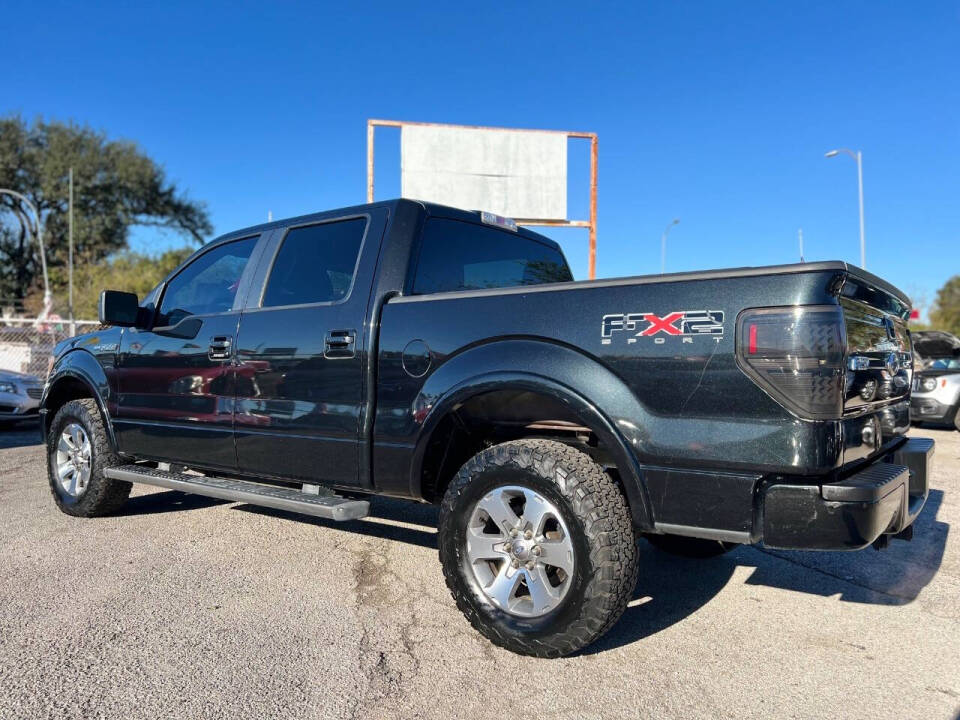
[(68, 369), (599, 398)]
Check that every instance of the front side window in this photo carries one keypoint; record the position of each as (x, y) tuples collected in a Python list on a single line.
[(208, 284), (457, 255), (315, 264)]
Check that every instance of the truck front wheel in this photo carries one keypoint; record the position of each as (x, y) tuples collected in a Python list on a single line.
[(538, 547), (78, 451)]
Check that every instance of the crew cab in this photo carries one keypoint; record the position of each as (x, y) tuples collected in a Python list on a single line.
[(406, 349)]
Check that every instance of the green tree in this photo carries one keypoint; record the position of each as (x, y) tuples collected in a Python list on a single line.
[(129, 271), (116, 187), (946, 308)]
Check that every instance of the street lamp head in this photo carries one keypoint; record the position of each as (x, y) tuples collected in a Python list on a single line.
[(676, 221), (831, 153)]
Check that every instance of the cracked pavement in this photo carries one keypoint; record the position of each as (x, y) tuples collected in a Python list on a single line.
[(187, 607)]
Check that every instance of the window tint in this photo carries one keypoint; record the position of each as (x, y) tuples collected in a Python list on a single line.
[(315, 264), (462, 256), (208, 284)]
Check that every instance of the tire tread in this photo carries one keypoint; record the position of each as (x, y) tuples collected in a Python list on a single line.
[(597, 501), (104, 495)]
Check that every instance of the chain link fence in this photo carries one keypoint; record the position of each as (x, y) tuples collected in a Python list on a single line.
[(26, 345)]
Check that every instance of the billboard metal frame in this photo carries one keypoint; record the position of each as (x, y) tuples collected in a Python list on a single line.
[(590, 224)]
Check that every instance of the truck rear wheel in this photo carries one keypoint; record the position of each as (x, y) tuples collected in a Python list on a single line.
[(78, 451), (538, 547), (690, 547)]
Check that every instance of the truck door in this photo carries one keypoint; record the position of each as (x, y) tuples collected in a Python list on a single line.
[(175, 380), (301, 352)]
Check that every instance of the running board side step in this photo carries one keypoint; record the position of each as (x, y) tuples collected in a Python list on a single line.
[(331, 507)]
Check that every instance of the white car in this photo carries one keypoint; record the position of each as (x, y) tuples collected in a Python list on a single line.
[(19, 397)]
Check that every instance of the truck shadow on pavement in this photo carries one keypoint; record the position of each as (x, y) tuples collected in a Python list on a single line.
[(24, 434), (166, 501), (383, 522), (894, 576), (670, 588)]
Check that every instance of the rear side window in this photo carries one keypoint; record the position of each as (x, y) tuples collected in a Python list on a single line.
[(457, 255), (208, 284), (316, 263)]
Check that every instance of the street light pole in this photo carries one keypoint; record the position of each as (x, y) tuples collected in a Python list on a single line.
[(663, 246), (47, 297), (73, 325), (858, 156)]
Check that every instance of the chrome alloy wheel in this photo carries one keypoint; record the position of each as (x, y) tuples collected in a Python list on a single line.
[(520, 551), (73, 460)]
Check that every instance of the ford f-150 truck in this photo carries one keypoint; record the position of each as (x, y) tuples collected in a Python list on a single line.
[(422, 352)]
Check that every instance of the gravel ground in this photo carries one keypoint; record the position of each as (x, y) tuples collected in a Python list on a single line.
[(184, 607)]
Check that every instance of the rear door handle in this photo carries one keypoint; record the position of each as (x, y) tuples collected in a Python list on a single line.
[(220, 348), (339, 344)]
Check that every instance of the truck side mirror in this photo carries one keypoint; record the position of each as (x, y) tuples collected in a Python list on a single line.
[(118, 308)]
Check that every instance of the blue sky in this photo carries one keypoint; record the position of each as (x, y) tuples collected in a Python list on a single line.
[(716, 113)]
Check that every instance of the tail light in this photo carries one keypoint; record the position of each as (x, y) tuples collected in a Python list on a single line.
[(796, 354)]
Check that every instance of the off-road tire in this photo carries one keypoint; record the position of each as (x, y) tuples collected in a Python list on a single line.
[(690, 547), (601, 529), (103, 495)]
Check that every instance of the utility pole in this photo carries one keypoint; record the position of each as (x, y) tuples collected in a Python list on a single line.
[(863, 241), (663, 246), (73, 325), (858, 156)]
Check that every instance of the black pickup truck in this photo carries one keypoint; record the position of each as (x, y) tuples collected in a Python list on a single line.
[(422, 352)]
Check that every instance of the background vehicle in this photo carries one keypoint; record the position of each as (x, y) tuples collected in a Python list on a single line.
[(19, 397), (936, 384), (424, 352)]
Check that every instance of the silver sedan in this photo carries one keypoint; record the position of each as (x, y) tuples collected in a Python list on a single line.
[(19, 396)]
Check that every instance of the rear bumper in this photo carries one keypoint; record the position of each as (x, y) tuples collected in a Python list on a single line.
[(882, 499)]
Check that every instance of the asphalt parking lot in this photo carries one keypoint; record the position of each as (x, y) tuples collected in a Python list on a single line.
[(184, 607)]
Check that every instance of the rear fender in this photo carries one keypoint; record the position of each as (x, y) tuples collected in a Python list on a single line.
[(595, 395)]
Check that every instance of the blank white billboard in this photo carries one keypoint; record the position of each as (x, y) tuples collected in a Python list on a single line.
[(516, 174)]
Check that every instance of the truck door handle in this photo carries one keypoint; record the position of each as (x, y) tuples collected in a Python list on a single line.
[(340, 344), (220, 348)]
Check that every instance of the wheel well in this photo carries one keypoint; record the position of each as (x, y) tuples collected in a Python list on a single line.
[(495, 417), (63, 391)]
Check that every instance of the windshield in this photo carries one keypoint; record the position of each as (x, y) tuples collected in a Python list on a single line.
[(942, 364)]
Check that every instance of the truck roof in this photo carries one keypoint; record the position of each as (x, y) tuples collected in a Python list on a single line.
[(473, 216), (432, 209)]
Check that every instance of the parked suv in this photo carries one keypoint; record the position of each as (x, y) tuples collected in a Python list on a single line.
[(936, 384), (445, 356)]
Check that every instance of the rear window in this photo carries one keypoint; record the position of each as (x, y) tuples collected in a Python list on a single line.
[(315, 264), (458, 255)]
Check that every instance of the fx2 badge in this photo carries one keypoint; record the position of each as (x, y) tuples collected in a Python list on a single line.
[(683, 324)]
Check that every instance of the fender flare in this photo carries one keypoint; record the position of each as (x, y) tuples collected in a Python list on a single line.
[(494, 366), (81, 366)]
